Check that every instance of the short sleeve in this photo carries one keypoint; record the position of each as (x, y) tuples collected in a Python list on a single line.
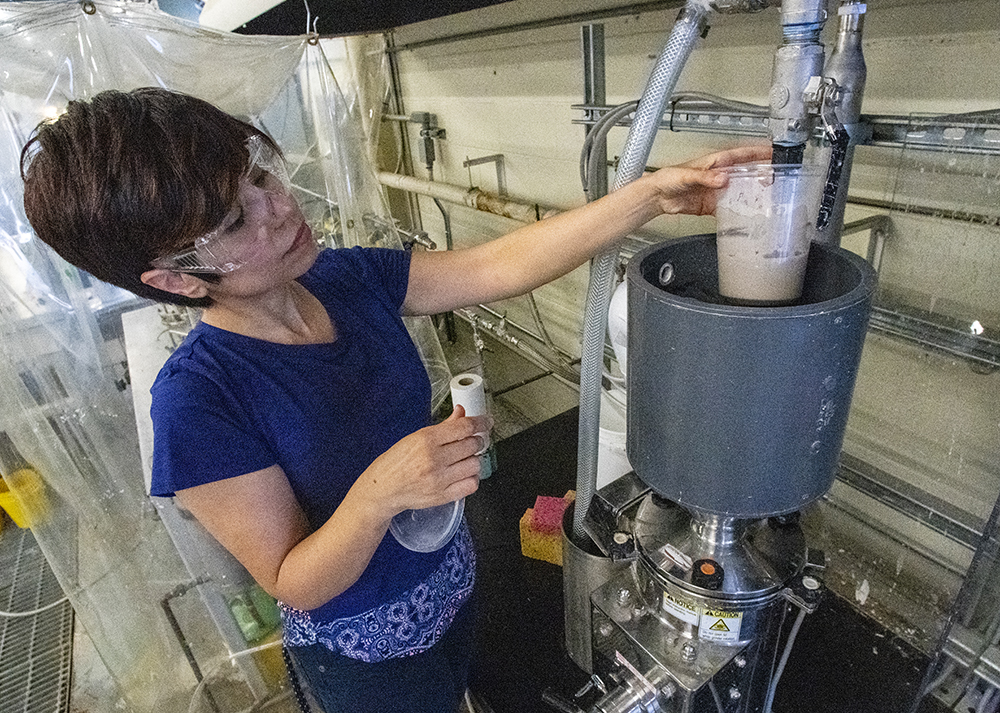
[(200, 436), (382, 272)]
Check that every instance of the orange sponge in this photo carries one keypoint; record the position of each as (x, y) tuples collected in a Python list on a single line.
[(541, 528)]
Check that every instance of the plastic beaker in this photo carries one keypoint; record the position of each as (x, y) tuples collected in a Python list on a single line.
[(766, 217)]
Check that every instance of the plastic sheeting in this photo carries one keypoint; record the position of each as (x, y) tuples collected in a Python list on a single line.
[(63, 369)]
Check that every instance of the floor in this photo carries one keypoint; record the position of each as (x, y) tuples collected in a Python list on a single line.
[(35, 657), (522, 394)]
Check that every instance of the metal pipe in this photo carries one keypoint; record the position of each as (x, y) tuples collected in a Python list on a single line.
[(734, 7), (561, 371), (571, 19), (563, 357), (926, 211), (434, 189), (846, 66), (469, 197), (175, 626), (594, 92), (449, 243), (796, 61), (536, 316)]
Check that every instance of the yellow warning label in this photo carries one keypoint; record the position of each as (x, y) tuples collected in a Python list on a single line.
[(723, 614), (720, 625)]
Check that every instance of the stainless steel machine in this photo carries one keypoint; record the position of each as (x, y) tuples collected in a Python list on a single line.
[(698, 575), (735, 421)]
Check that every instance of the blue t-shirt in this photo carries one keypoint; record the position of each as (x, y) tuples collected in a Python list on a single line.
[(225, 404)]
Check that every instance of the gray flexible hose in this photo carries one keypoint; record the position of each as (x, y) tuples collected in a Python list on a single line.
[(659, 88), (591, 160), (769, 701)]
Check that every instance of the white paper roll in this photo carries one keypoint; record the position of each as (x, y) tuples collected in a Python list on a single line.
[(467, 391)]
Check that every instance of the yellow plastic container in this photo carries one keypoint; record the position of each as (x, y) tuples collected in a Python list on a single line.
[(22, 489), (28, 503), (12, 506)]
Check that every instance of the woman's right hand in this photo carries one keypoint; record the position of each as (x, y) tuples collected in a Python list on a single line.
[(692, 187), (432, 466), (258, 519)]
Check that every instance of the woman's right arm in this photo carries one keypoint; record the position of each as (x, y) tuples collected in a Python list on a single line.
[(258, 519)]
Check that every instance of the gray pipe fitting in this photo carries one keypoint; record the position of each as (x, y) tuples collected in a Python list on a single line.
[(803, 12)]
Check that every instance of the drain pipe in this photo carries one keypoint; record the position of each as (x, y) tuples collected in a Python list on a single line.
[(690, 25)]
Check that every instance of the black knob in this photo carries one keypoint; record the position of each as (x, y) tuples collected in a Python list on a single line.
[(707, 574)]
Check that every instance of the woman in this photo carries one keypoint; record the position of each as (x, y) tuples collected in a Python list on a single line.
[(294, 421)]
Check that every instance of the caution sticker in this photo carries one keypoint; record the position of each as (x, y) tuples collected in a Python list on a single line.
[(682, 609), (720, 625)]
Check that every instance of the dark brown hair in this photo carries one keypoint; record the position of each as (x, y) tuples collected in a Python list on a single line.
[(127, 177)]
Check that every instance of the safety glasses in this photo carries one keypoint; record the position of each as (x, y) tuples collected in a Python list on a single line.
[(244, 232)]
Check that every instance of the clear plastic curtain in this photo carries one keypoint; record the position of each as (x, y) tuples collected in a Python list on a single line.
[(66, 404), (338, 146)]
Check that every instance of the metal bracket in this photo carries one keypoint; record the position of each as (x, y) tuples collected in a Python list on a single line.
[(880, 227), (805, 592), (607, 518), (496, 158)]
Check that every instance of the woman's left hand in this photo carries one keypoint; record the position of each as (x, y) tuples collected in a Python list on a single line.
[(691, 187)]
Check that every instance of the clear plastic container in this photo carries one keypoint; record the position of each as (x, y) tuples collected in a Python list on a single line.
[(430, 529), (766, 219), (427, 529)]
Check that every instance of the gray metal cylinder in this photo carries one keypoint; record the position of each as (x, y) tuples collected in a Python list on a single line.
[(794, 64), (846, 65), (584, 570), (738, 410)]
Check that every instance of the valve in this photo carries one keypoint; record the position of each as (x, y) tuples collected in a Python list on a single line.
[(821, 96), (429, 132)]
